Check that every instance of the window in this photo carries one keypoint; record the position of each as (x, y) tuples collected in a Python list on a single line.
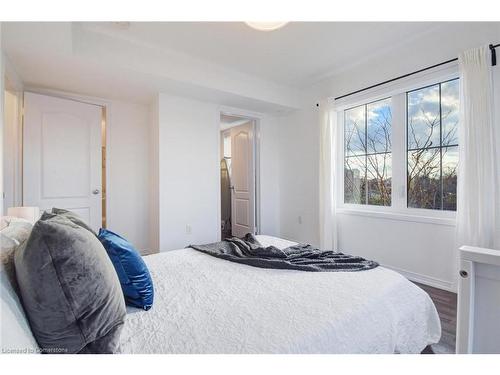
[(367, 154), (399, 152), (432, 146)]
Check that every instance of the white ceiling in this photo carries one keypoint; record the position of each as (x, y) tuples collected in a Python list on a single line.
[(295, 55), (227, 62)]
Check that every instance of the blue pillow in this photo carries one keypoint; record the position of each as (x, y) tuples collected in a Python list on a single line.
[(133, 273)]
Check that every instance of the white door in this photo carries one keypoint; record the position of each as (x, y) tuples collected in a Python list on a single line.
[(62, 163), (243, 180)]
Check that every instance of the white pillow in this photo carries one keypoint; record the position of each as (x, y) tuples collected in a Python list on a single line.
[(3, 222), (16, 229), (16, 335), (6, 220)]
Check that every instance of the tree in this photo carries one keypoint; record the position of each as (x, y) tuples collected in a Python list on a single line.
[(367, 174), (432, 183)]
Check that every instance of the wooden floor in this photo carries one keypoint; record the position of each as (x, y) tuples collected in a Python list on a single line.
[(446, 305)]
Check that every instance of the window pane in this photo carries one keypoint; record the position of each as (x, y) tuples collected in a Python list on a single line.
[(355, 179), (423, 118), (449, 112), (378, 126), (354, 131), (450, 165), (379, 175), (424, 178)]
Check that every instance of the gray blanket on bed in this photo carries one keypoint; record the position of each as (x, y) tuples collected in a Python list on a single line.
[(300, 257)]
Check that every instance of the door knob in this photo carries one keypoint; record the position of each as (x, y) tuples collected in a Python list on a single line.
[(95, 192)]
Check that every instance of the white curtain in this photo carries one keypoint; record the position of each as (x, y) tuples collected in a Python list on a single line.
[(328, 167), (478, 164)]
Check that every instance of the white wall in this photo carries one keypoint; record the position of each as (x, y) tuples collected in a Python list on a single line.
[(12, 145), (128, 185), (299, 176), (11, 95), (425, 251), (154, 176), (271, 133), (188, 170), (10, 135)]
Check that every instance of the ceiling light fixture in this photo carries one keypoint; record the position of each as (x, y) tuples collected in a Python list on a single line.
[(266, 26)]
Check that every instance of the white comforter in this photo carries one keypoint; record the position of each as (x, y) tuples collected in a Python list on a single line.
[(208, 305)]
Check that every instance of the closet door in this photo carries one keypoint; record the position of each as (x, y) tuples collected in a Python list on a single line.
[(243, 182), (62, 164)]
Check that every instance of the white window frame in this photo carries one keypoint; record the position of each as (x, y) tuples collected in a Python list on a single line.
[(397, 92)]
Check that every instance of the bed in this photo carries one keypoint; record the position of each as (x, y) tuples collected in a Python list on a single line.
[(208, 305)]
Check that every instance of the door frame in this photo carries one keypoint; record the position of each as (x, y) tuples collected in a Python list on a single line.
[(12, 83), (256, 120), (106, 115)]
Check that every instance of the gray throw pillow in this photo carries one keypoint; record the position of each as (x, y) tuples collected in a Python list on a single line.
[(73, 217), (69, 288)]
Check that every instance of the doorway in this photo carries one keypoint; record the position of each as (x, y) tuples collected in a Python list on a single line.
[(238, 175)]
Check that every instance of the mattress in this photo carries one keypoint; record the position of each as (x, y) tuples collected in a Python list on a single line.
[(208, 305)]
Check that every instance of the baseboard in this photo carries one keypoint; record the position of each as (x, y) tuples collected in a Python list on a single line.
[(424, 279)]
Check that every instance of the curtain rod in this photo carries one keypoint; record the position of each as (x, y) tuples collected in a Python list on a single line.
[(493, 62)]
